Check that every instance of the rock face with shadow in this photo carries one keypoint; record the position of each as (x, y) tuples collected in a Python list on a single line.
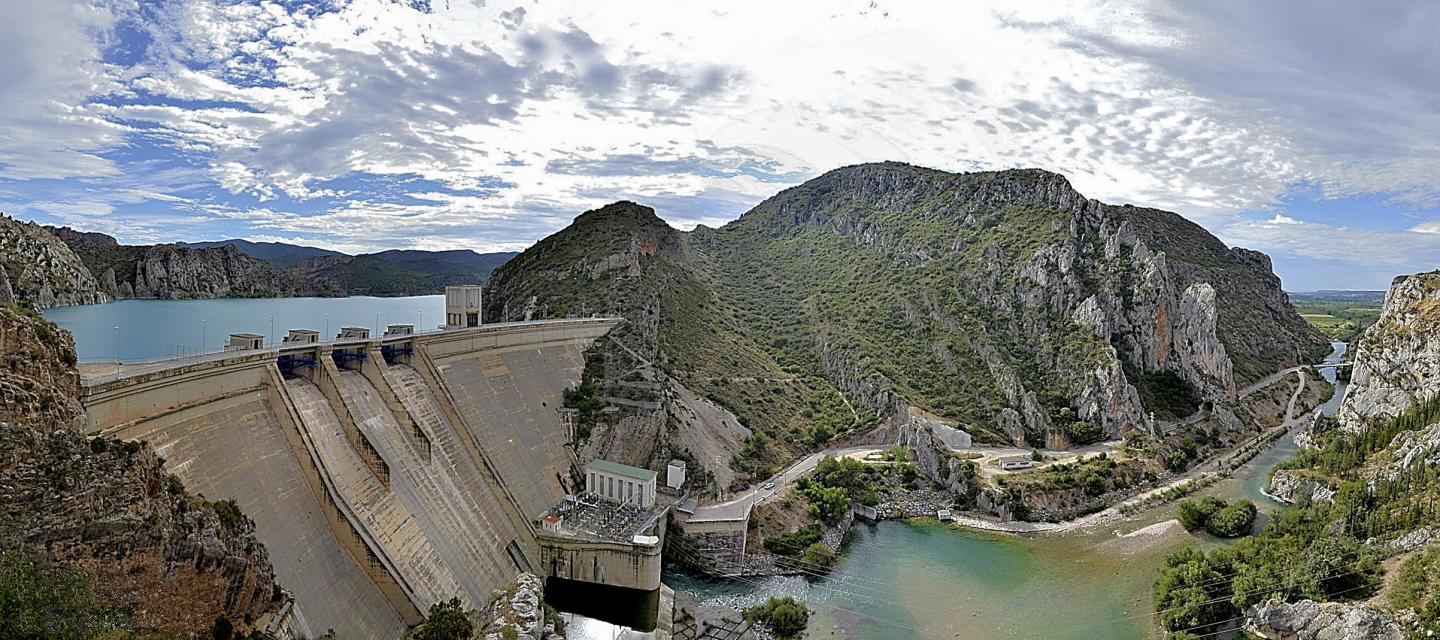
[(173, 560)]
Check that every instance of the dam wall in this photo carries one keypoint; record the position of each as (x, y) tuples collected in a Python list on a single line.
[(381, 482)]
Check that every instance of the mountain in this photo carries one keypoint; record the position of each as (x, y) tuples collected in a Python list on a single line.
[(172, 271), (1002, 302), (277, 253), (41, 270), (1396, 361), (403, 272)]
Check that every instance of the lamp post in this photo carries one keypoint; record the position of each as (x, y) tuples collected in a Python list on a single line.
[(203, 329), (272, 330), (377, 324), (117, 348), (327, 326)]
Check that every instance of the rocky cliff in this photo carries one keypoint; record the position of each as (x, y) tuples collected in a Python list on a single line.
[(174, 272), (39, 269), (1005, 303), (1397, 360), (1291, 487), (1308, 620), (169, 562)]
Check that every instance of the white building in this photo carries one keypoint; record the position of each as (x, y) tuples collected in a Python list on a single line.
[(462, 306), (620, 483), (1013, 463)]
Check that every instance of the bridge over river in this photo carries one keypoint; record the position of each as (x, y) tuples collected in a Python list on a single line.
[(383, 474)]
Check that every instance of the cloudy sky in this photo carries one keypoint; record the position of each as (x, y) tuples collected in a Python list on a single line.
[(1309, 130)]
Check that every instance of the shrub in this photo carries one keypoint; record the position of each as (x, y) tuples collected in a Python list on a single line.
[(785, 617), (793, 543), (819, 557), (1232, 521), (446, 621)]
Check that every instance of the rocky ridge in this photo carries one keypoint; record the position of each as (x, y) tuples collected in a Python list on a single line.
[(1396, 361), (173, 272), (39, 269), (108, 508), (1005, 303)]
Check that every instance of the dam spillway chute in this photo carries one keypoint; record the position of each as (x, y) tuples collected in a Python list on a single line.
[(383, 474)]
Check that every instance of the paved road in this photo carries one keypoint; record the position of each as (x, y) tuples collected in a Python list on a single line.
[(735, 507)]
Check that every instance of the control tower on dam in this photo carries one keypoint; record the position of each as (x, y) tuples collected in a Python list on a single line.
[(385, 473)]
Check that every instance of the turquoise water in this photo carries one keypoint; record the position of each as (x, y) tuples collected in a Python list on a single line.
[(922, 580), (149, 329), (925, 580)]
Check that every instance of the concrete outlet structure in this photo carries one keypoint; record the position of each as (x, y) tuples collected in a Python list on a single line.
[(387, 474)]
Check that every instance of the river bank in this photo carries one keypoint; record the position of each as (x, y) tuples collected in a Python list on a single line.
[(1091, 577)]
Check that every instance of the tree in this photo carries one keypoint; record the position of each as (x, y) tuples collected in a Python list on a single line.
[(828, 503), (1194, 514), (1232, 521), (819, 557), (785, 617), (447, 621)]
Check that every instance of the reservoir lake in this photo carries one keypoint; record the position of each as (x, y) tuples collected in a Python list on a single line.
[(893, 579), (144, 330)]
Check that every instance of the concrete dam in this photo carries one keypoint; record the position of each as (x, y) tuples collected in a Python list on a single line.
[(383, 474)]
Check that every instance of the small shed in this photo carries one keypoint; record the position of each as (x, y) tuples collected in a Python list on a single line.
[(245, 341)]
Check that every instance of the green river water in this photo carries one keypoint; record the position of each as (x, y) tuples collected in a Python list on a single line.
[(921, 579)]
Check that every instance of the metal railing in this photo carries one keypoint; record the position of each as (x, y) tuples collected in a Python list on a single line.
[(183, 355)]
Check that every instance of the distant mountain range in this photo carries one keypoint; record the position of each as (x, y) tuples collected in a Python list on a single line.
[(276, 253), (396, 272)]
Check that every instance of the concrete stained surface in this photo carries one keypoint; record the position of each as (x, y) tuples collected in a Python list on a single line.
[(235, 448)]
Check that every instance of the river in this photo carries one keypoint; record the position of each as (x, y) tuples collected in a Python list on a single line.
[(148, 329), (893, 579), (920, 579)]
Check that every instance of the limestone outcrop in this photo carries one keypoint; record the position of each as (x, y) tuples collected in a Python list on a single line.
[(1308, 620), (519, 612), (173, 272), (1290, 486), (37, 268), (1397, 359), (107, 507)]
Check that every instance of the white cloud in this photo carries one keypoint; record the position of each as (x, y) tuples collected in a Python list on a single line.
[(528, 113)]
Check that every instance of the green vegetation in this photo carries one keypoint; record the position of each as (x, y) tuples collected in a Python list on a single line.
[(819, 557), (42, 599), (1310, 550), (829, 305), (794, 542), (785, 617), (1340, 315), (403, 273), (446, 621), (1417, 584), (1219, 519)]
